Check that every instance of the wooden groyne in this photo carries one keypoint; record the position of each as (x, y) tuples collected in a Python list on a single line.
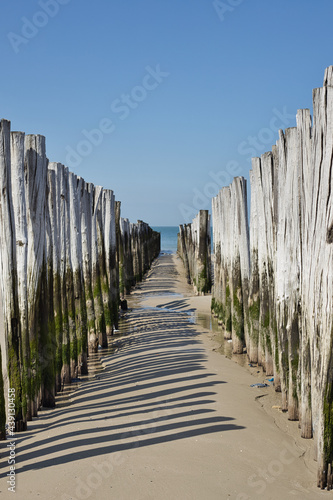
[(194, 248), (139, 246), (61, 274), (282, 310)]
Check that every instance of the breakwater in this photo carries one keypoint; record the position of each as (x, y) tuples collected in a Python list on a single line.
[(139, 246), (194, 248), (62, 253), (273, 288)]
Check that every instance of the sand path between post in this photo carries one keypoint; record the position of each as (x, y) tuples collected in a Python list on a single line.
[(166, 417)]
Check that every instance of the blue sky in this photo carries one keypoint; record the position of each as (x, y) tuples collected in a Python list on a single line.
[(162, 101)]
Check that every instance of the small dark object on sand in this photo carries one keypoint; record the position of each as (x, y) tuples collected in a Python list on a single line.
[(259, 385), (123, 305)]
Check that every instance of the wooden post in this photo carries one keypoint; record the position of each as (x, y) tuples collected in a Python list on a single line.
[(240, 264), (254, 287), (62, 227), (20, 221), (35, 166), (110, 245), (96, 261), (55, 253), (194, 248), (2, 405), (86, 235), (304, 158), (221, 301), (102, 264), (11, 338), (79, 355), (287, 268), (48, 348)]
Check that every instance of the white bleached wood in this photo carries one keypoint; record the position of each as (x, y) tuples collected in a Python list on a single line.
[(35, 166), (9, 341), (20, 220)]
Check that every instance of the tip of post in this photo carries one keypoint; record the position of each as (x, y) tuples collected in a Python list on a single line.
[(328, 77)]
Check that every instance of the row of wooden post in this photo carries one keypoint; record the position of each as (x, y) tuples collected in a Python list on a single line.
[(139, 246), (273, 284), (62, 249)]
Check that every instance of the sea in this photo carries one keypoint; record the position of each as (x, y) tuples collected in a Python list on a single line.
[(168, 238)]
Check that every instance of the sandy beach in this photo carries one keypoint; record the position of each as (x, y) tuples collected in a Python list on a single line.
[(164, 416)]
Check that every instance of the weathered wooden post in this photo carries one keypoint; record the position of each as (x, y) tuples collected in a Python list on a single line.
[(11, 337), (305, 161), (153, 246), (254, 287), (182, 252), (263, 250), (2, 405), (194, 248), (96, 259), (54, 253), (79, 360), (86, 238), (48, 347), (72, 348), (104, 278), (135, 251), (240, 264), (287, 269), (118, 250), (61, 194), (221, 301), (126, 277), (203, 253), (267, 254), (54, 203), (217, 286), (35, 166), (110, 244), (20, 222)]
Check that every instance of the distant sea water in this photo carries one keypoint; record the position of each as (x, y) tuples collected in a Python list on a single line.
[(168, 238)]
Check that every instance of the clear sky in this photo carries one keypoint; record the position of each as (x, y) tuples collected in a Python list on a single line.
[(162, 101)]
